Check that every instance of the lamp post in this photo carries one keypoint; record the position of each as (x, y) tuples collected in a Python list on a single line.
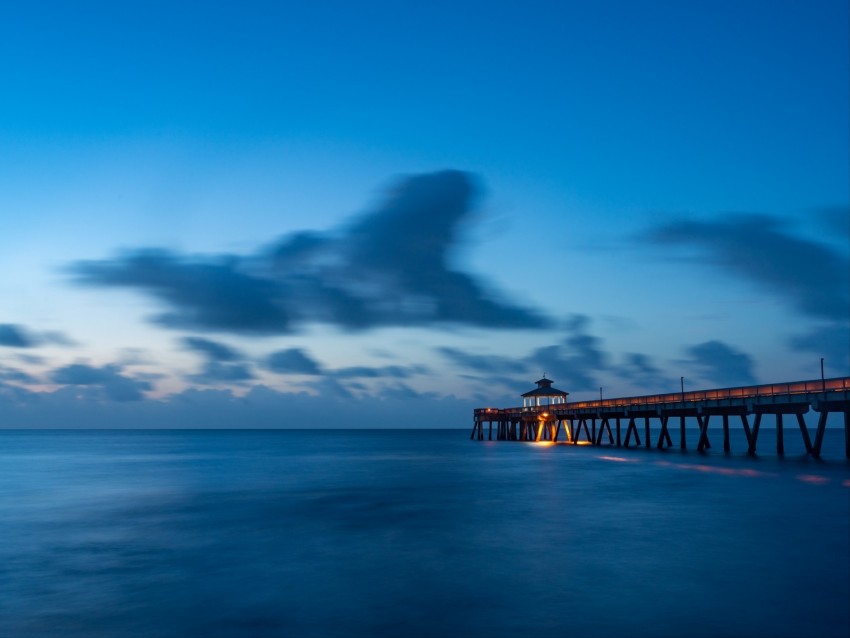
[(682, 382), (600, 394), (822, 380)]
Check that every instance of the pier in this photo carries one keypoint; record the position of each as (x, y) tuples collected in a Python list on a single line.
[(545, 413)]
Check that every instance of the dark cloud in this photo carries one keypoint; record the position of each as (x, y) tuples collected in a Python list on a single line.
[(292, 361), (107, 380), (641, 371), (577, 360), (213, 372), (813, 277), (486, 364), (831, 341), (15, 336), (212, 350), (203, 293), (390, 267), (574, 363), (721, 364), (222, 364), (366, 372), (15, 375), (260, 407)]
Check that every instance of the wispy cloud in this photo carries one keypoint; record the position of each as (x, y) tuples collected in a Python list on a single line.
[(389, 267), (293, 361), (812, 277), (222, 363), (17, 336), (108, 380), (721, 364)]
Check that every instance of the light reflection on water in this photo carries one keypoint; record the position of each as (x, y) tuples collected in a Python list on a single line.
[(289, 533)]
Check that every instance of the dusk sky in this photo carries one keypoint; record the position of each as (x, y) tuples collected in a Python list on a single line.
[(254, 214)]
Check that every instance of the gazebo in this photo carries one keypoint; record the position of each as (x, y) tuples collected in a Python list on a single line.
[(543, 395)]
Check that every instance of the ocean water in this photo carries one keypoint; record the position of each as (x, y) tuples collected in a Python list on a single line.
[(416, 533)]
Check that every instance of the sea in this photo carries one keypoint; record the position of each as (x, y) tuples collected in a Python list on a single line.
[(406, 533)]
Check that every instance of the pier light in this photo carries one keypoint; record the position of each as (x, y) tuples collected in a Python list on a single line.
[(544, 395)]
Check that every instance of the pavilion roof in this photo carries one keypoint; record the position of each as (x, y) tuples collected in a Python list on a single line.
[(547, 391)]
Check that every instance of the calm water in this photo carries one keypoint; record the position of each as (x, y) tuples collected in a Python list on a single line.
[(414, 533)]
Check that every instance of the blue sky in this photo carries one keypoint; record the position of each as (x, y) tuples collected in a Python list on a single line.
[(250, 214)]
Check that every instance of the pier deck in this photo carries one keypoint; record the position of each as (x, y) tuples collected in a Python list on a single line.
[(794, 399)]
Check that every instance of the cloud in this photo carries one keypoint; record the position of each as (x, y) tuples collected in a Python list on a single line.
[(811, 276), (366, 372), (15, 336), (213, 350), (721, 364), (488, 364), (389, 267), (831, 341), (222, 364), (260, 407), (15, 375), (292, 361), (107, 379), (573, 363), (213, 372), (576, 360), (639, 369)]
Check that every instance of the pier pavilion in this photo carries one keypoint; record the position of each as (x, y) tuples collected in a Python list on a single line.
[(543, 421), (544, 395)]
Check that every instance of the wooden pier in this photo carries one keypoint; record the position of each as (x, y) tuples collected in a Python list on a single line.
[(594, 419)]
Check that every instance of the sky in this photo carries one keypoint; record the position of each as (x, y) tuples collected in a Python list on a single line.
[(384, 214)]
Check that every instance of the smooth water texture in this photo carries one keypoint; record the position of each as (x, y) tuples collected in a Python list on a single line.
[(415, 533)]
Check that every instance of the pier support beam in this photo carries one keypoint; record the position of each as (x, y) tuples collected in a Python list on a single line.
[(664, 436), (804, 431), (632, 429), (746, 423), (755, 435), (703, 443)]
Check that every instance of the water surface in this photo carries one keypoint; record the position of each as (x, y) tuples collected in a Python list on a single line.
[(415, 533)]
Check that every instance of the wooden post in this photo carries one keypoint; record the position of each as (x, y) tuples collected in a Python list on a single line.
[(490, 433), (663, 431), (819, 434), (646, 431), (725, 432), (682, 443), (805, 432), (780, 436), (593, 428), (847, 434), (618, 431), (702, 442), (755, 435), (746, 423)]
